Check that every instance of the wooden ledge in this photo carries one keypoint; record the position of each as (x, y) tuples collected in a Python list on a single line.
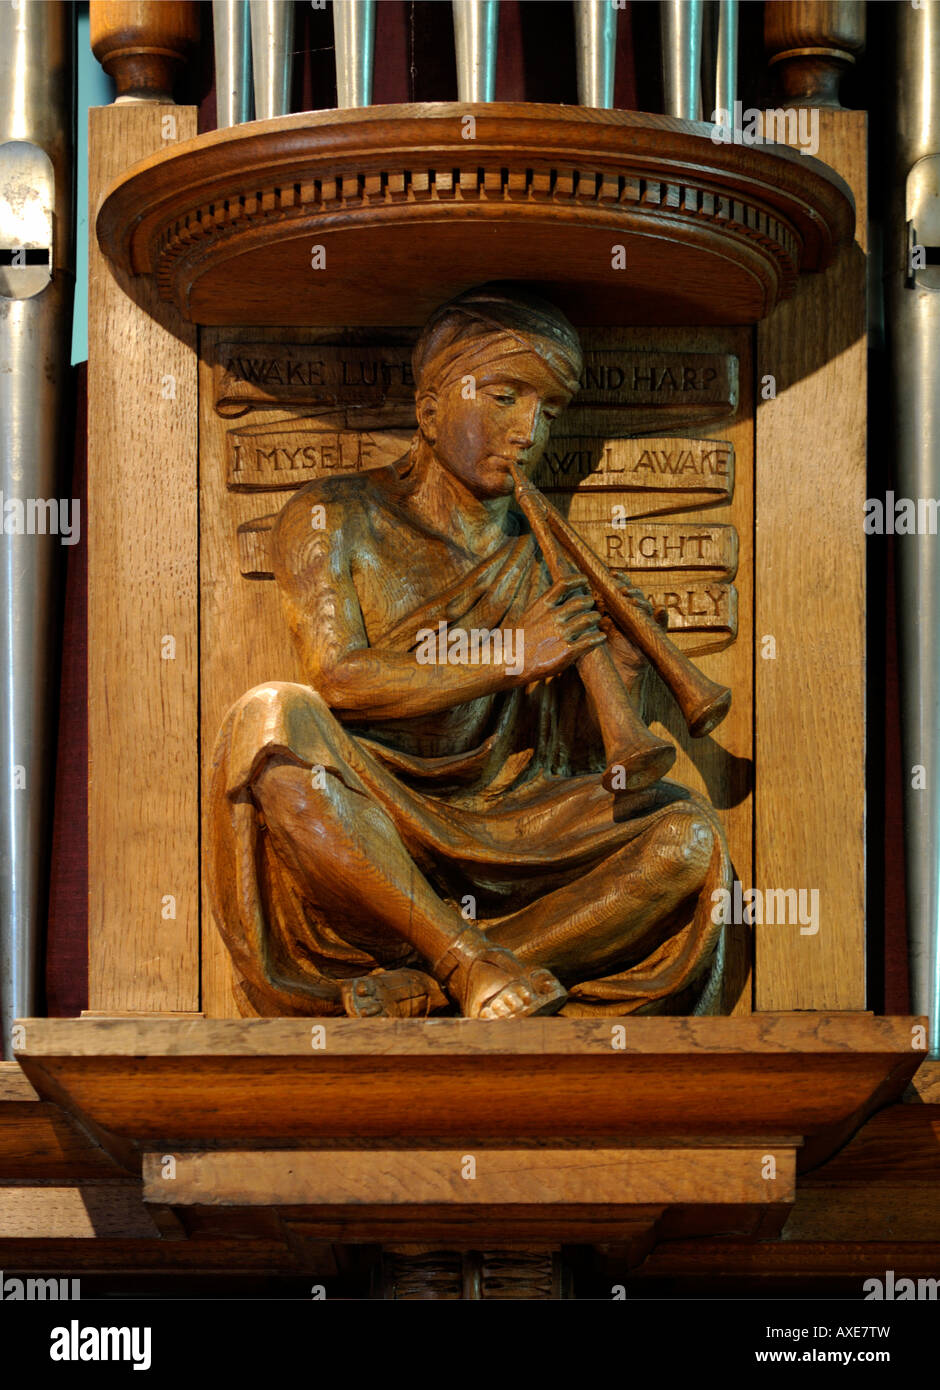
[(280, 1083), (408, 206), (543, 1176), (925, 1087), (545, 1192)]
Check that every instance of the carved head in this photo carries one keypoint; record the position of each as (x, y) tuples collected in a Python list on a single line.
[(493, 368)]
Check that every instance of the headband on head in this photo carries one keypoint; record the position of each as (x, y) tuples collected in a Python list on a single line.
[(494, 321)]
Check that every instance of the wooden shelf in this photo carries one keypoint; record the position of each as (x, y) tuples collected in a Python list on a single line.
[(408, 211), (64, 1205), (242, 1130), (149, 1084)]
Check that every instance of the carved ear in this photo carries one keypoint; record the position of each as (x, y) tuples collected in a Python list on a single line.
[(427, 407)]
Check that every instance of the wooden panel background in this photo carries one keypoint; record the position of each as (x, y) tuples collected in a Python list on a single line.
[(810, 596), (158, 528), (244, 639), (143, 802)]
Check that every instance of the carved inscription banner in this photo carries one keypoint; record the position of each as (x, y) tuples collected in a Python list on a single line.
[(639, 546), (269, 458), (252, 376), (679, 546), (349, 408), (650, 464), (624, 393), (680, 566), (254, 547), (288, 454), (703, 615), (621, 392)]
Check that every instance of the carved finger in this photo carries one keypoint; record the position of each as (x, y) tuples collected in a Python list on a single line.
[(585, 622), (585, 643), (564, 588), (577, 603)]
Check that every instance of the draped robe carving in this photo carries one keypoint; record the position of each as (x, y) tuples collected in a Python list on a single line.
[(334, 828)]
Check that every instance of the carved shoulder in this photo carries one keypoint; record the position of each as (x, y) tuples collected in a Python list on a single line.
[(323, 524)]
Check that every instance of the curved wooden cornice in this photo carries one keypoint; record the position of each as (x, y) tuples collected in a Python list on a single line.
[(408, 210)]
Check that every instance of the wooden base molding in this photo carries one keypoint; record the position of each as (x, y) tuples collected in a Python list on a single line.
[(453, 1195), (173, 1084), (398, 1221)]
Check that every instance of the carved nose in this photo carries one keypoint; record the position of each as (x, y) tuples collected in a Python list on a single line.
[(523, 435)]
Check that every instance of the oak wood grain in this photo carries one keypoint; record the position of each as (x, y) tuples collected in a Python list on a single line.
[(809, 701), (782, 1034), (38, 1141), (14, 1085), (143, 898), (592, 1177), (80, 1211), (264, 1082), (925, 1084)]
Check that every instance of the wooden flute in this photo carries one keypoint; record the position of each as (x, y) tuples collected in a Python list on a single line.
[(635, 757), (703, 702)]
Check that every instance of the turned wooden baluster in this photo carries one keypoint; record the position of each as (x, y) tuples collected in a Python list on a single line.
[(143, 44), (810, 45)]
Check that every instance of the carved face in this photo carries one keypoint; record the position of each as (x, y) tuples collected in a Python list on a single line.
[(508, 418)]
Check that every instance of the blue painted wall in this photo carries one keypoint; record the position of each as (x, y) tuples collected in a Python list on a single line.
[(95, 88)]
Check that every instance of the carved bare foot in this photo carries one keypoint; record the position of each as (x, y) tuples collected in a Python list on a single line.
[(524, 993), (488, 981), (392, 994)]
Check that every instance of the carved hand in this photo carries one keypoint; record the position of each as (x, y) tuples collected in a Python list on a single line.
[(636, 594), (631, 663), (560, 626)]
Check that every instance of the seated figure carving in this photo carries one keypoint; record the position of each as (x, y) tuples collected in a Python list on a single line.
[(424, 828)]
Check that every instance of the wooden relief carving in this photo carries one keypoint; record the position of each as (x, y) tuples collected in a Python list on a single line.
[(461, 809), (628, 391)]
